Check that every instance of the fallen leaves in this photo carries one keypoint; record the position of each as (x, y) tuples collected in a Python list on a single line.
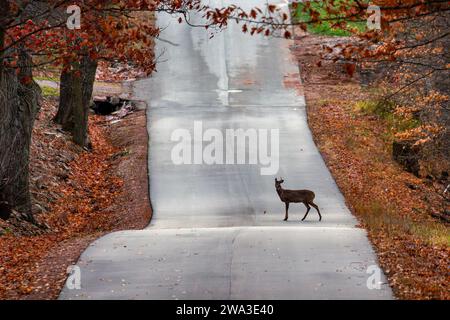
[(77, 204), (398, 218), (376, 188)]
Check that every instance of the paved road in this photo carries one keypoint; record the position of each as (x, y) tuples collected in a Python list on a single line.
[(210, 238)]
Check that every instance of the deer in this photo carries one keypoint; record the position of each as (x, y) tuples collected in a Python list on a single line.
[(296, 196)]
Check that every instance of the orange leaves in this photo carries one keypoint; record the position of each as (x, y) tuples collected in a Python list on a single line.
[(314, 16), (392, 203), (92, 188), (287, 34), (422, 133), (80, 207), (379, 192), (117, 34), (271, 8), (176, 4), (18, 259), (303, 26)]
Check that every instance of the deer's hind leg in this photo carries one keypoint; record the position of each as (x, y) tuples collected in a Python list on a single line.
[(287, 209), (307, 210), (317, 208)]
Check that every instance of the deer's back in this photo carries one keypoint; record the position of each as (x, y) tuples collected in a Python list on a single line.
[(297, 195)]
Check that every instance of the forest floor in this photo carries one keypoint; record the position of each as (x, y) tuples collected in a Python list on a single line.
[(395, 207), (79, 195)]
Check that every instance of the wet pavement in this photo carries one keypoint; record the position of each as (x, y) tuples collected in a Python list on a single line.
[(217, 230)]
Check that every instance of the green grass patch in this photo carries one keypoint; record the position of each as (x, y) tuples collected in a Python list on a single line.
[(49, 91), (382, 109), (432, 233), (382, 217), (325, 27), (385, 110), (6, 231), (45, 78)]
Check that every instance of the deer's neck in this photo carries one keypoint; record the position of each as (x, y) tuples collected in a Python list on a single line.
[(280, 191)]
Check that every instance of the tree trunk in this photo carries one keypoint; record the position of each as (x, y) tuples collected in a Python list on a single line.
[(76, 90), (19, 104), (64, 115), (89, 69), (79, 130)]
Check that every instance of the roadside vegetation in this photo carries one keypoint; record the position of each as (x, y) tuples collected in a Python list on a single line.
[(78, 196), (388, 151), (49, 91), (381, 129), (326, 28), (401, 212), (59, 192)]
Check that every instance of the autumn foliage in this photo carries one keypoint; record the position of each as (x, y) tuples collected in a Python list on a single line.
[(407, 61)]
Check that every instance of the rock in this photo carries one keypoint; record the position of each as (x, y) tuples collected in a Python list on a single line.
[(442, 216), (127, 109), (114, 100), (140, 105), (447, 189), (412, 186), (67, 156), (367, 76), (40, 183), (37, 209), (406, 155), (124, 96), (63, 176), (99, 98)]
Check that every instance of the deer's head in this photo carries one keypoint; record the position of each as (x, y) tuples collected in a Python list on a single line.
[(278, 183)]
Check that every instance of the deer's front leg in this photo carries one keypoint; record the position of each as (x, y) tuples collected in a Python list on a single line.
[(287, 209)]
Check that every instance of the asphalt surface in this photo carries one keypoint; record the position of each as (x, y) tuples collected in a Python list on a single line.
[(217, 230)]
